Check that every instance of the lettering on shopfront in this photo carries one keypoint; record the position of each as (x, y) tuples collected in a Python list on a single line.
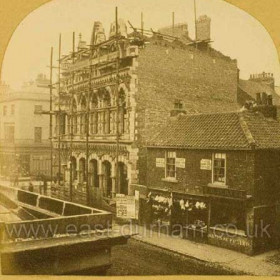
[(235, 241), (226, 192)]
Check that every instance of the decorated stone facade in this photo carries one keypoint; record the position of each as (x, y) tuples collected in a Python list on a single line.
[(148, 75)]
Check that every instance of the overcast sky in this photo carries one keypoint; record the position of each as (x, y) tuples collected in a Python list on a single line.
[(234, 32)]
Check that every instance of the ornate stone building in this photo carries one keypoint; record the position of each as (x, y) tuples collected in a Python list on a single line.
[(157, 74)]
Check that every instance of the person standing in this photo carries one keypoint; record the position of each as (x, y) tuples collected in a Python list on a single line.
[(31, 187)]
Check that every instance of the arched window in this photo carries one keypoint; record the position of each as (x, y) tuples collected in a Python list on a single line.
[(56, 125), (93, 173), (74, 168), (69, 124), (83, 116), (106, 118), (82, 170), (123, 180), (107, 179), (123, 115), (93, 114), (62, 124), (75, 117)]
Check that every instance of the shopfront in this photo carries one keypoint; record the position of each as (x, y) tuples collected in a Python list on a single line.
[(190, 216), (230, 219), (177, 214), (159, 211)]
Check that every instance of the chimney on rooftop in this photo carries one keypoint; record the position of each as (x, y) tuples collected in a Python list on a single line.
[(264, 104), (264, 77), (178, 108)]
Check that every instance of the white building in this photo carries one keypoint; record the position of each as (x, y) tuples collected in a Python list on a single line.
[(24, 135)]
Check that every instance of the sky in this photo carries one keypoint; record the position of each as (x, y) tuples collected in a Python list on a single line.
[(234, 32)]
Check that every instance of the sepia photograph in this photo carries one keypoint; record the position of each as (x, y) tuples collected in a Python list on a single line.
[(139, 138)]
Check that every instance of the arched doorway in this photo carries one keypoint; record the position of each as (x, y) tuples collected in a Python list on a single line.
[(74, 168), (107, 180), (123, 180), (93, 174), (82, 170)]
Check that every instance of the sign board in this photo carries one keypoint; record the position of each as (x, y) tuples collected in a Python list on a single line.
[(160, 162), (180, 162), (206, 164), (225, 192), (126, 207)]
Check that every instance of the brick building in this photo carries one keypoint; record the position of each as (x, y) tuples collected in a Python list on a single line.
[(24, 135), (221, 172), (256, 85), (157, 73)]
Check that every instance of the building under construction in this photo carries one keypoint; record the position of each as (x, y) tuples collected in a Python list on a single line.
[(115, 92)]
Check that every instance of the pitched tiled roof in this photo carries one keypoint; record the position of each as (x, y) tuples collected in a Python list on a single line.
[(253, 87), (236, 130)]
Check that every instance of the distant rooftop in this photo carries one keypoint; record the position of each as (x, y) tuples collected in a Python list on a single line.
[(232, 131)]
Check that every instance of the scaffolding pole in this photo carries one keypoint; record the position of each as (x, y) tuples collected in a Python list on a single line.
[(71, 123), (87, 136), (117, 104), (142, 24), (195, 24), (173, 23), (51, 123), (59, 112)]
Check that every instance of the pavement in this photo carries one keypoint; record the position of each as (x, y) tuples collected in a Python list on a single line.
[(228, 259)]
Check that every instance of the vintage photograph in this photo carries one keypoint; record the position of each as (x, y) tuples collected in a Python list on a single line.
[(140, 138)]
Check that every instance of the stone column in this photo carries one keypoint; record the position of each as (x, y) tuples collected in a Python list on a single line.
[(113, 186)]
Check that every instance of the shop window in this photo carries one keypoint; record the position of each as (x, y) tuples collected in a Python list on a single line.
[(228, 215), (219, 168), (159, 206), (191, 214), (170, 165)]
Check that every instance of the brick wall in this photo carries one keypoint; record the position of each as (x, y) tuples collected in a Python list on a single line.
[(267, 177), (240, 170), (206, 82)]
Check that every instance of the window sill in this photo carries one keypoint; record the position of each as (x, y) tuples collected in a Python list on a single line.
[(171, 180), (217, 185)]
